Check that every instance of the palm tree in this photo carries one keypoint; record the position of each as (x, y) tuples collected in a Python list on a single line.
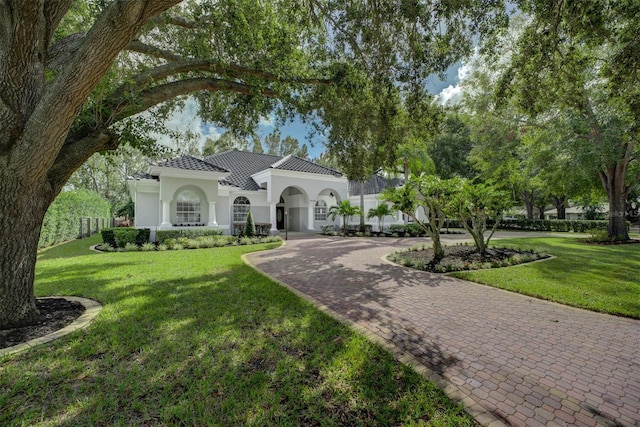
[(380, 212), (346, 210)]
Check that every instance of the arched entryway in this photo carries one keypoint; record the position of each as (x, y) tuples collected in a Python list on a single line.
[(292, 210)]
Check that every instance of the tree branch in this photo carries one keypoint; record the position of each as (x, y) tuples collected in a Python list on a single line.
[(59, 54), (159, 94), (138, 46), (76, 152), (52, 117), (54, 11)]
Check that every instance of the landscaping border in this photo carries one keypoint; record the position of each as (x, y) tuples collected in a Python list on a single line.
[(92, 308)]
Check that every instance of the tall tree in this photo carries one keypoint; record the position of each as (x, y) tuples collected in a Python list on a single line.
[(225, 142), (582, 60), (106, 173), (74, 80), (279, 146)]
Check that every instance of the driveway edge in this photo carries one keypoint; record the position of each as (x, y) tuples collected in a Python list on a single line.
[(472, 407)]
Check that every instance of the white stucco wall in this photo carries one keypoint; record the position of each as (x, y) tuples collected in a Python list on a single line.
[(147, 207)]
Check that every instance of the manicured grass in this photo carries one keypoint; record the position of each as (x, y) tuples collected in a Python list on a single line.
[(196, 337), (595, 277)]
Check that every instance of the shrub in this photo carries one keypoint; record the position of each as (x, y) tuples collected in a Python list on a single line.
[(396, 228), (414, 230), (108, 237), (143, 236), (62, 220), (118, 237), (169, 243), (250, 227), (163, 235), (125, 236), (146, 247), (177, 247), (599, 235), (182, 241), (162, 248), (130, 247), (561, 225)]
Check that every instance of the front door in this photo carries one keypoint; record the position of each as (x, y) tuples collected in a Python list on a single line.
[(280, 217)]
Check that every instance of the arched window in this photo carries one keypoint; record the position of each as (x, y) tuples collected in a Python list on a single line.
[(188, 207), (241, 206), (321, 211)]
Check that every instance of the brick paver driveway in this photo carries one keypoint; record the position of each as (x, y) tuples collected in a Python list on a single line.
[(510, 359)]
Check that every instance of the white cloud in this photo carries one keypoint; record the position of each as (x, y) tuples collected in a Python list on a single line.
[(453, 94), (267, 121), (186, 119)]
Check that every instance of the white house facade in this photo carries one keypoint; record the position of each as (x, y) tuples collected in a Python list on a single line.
[(219, 190)]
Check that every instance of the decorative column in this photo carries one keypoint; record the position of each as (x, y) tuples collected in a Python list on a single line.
[(273, 220), (311, 215), (166, 213), (212, 215)]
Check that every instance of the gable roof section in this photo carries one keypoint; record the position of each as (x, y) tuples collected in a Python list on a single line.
[(241, 165), (297, 164), (374, 185), (188, 162), (244, 164)]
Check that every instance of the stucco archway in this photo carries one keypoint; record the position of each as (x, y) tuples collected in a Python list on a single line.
[(292, 210)]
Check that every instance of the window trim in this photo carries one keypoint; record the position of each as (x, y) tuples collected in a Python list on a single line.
[(320, 211), (241, 210), (188, 211)]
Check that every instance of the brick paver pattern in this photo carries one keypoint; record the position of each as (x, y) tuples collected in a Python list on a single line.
[(524, 360)]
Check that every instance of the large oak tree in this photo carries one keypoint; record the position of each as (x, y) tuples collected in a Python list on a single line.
[(75, 76), (581, 61)]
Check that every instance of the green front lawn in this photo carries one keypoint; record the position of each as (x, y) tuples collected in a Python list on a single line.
[(595, 277), (196, 337)]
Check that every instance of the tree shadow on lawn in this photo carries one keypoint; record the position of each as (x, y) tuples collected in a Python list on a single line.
[(229, 347)]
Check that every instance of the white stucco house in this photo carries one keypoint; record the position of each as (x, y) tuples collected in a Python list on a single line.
[(219, 190)]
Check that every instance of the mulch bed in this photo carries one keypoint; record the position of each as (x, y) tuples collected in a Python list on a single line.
[(455, 255), (55, 314)]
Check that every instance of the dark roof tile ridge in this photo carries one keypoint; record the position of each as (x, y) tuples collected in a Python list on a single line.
[(280, 162)]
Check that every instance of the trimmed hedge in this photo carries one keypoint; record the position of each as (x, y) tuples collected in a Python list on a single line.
[(118, 237), (411, 229), (162, 235), (62, 220), (262, 228), (577, 226), (562, 225)]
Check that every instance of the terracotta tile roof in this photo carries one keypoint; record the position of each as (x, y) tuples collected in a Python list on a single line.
[(374, 185)]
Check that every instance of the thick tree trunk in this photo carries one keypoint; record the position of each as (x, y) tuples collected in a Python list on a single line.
[(613, 181), (529, 200), (362, 206), (22, 209), (560, 202)]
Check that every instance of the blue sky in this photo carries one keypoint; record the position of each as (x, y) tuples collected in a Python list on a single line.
[(187, 119)]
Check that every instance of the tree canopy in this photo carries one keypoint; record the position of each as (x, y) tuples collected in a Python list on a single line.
[(79, 77)]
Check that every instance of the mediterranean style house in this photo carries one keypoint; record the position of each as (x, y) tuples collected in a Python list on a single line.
[(220, 190)]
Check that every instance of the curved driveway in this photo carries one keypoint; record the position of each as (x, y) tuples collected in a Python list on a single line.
[(509, 358)]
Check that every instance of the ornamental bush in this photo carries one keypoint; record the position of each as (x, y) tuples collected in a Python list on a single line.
[(118, 237), (163, 235), (250, 226)]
